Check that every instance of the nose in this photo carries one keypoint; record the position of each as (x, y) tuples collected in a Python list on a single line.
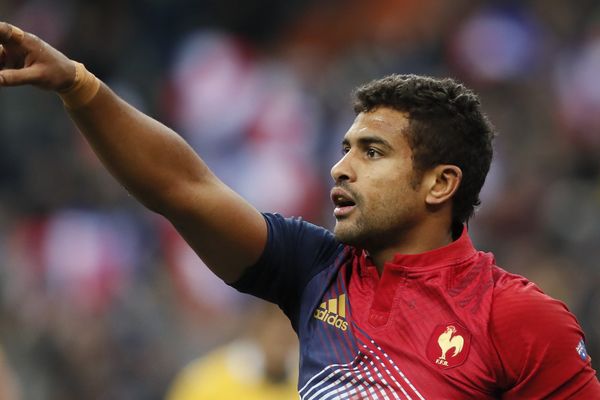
[(343, 170)]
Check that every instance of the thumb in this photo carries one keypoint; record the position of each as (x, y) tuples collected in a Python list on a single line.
[(16, 77)]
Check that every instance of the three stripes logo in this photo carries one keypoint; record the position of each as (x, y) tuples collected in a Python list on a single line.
[(333, 312)]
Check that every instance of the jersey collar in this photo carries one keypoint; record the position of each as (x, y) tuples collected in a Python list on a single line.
[(454, 253)]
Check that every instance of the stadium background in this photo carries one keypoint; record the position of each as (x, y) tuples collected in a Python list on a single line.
[(100, 299)]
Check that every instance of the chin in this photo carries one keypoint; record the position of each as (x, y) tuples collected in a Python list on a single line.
[(347, 235)]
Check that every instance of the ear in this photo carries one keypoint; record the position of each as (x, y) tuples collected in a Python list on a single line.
[(443, 182)]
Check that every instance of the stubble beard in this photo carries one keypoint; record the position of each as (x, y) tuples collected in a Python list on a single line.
[(374, 230), (349, 233), (371, 234)]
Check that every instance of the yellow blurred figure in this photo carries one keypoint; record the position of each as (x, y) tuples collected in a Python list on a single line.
[(260, 366), (8, 383)]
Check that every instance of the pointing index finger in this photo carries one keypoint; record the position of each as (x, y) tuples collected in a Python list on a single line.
[(10, 33)]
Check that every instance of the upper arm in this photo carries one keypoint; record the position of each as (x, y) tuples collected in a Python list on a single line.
[(537, 339), (226, 232)]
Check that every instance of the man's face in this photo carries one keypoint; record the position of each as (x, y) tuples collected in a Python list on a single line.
[(376, 196)]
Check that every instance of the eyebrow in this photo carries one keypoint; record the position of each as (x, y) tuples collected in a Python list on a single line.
[(365, 141)]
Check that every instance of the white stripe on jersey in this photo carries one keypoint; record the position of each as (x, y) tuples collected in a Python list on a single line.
[(342, 381)]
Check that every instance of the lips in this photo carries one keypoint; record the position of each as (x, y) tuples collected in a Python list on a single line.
[(343, 201)]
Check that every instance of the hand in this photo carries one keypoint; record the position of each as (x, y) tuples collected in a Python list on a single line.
[(25, 59)]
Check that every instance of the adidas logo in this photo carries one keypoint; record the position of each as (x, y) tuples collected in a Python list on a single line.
[(333, 312)]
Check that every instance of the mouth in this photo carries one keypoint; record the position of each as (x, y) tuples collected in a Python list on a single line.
[(343, 202)]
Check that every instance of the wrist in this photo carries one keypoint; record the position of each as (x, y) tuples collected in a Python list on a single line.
[(82, 91)]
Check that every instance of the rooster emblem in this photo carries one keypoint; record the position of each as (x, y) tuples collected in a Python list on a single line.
[(448, 345), (448, 340)]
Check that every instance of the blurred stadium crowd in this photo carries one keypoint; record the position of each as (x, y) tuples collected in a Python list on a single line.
[(100, 299)]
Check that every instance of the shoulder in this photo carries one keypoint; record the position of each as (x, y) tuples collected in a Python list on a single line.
[(517, 300), (295, 252), (524, 321), (538, 340), (295, 228), (529, 322), (294, 240), (522, 314)]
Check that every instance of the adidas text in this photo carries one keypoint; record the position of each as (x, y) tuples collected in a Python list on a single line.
[(331, 318)]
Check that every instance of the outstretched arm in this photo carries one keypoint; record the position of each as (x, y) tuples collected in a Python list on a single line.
[(153, 163)]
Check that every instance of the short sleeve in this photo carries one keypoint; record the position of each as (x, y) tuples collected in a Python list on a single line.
[(541, 347), (295, 252)]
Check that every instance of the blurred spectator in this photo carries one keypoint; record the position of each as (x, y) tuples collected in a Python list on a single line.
[(578, 91), (9, 389), (81, 258), (497, 45), (250, 121), (260, 365)]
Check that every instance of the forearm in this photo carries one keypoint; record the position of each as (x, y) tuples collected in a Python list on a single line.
[(150, 160)]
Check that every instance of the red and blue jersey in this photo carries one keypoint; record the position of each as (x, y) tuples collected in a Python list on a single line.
[(444, 324)]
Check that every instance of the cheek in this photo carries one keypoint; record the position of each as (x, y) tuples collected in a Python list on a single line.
[(388, 185), (397, 193), (382, 193)]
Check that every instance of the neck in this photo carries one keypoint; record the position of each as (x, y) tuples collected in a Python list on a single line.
[(418, 240)]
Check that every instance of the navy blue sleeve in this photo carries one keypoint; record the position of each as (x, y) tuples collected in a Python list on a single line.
[(295, 252)]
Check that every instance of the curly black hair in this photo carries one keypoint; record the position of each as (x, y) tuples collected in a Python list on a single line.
[(446, 126)]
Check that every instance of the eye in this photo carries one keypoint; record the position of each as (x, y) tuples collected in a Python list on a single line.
[(372, 153), (345, 150)]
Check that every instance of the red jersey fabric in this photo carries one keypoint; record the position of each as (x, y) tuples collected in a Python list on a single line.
[(445, 324), (466, 328)]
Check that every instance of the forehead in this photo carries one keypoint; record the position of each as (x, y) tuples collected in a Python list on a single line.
[(387, 123)]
